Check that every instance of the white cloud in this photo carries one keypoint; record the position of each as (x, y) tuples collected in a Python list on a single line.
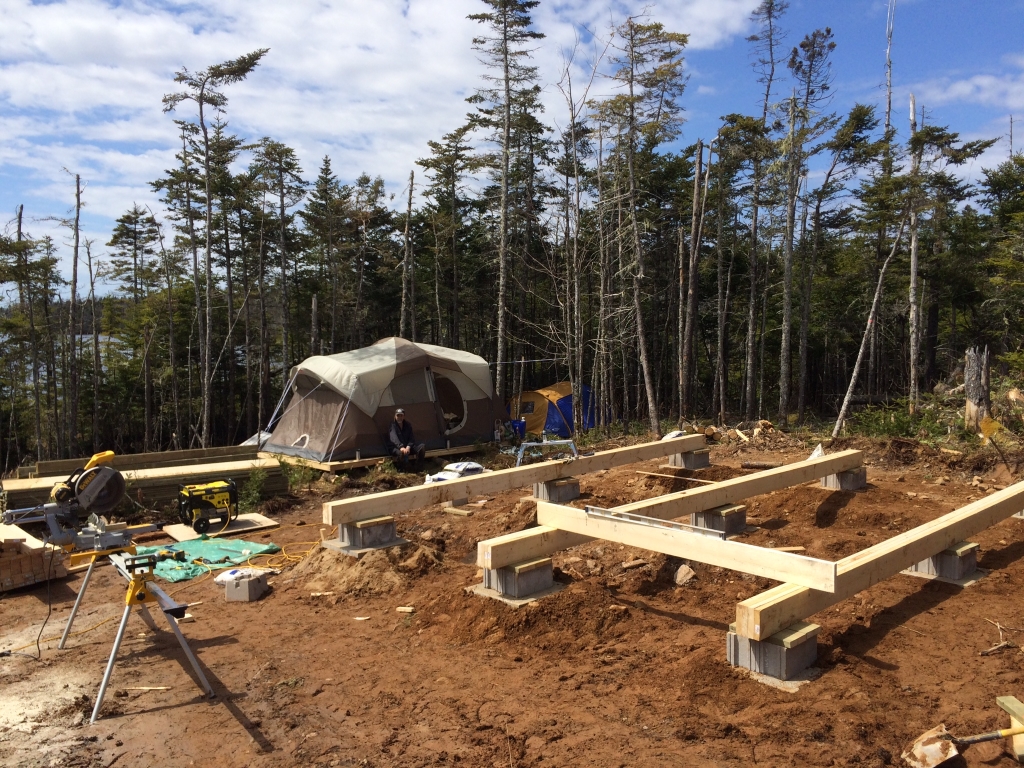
[(1004, 91), (366, 83)]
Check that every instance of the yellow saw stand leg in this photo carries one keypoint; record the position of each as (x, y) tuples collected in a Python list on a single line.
[(141, 590)]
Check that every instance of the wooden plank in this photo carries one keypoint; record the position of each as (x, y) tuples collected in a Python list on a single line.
[(157, 485), (405, 499), (765, 614), (1015, 710), (516, 547), (241, 526), (675, 505), (531, 544), (734, 555), (28, 541), (136, 460)]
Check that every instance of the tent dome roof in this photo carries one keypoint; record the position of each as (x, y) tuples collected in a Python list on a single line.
[(362, 375)]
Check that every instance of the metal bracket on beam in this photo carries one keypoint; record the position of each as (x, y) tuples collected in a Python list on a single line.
[(652, 522)]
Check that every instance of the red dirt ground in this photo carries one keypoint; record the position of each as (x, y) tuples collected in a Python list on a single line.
[(621, 668)]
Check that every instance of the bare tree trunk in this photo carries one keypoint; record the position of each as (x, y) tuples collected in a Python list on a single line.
[(147, 394), (406, 260), (285, 304), (785, 355), (95, 353), (721, 307), (230, 344), (867, 332), (34, 342), (976, 388), (72, 327), (686, 273), (751, 362), (915, 331), (207, 331), (506, 138)]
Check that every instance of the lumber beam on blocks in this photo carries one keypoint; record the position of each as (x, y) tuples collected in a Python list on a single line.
[(765, 614), (545, 540), (406, 499), (675, 505), (734, 555), (531, 544)]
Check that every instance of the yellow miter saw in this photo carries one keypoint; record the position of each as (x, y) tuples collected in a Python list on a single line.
[(74, 513)]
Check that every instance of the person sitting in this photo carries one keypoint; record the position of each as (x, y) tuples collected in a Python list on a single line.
[(403, 444)]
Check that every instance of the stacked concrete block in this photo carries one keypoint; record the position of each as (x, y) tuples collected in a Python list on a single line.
[(784, 655), (853, 480), (954, 564), (366, 534), (557, 491), (522, 579), (691, 459), (730, 519)]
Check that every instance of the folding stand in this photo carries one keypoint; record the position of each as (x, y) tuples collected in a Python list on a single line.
[(138, 571)]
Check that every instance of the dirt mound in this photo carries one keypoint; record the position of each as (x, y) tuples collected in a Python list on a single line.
[(379, 572), (581, 610)]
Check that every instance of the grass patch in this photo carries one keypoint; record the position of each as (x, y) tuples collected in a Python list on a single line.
[(299, 475), (251, 492), (929, 423)]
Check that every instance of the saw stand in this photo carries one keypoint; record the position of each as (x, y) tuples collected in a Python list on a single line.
[(138, 571)]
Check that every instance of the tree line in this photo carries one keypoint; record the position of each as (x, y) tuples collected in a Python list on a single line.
[(731, 278)]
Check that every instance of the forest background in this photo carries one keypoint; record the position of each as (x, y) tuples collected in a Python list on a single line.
[(729, 277)]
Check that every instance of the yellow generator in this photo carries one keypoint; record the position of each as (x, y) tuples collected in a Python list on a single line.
[(199, 505)]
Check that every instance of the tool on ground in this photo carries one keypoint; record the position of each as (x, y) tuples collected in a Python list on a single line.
[(938, 745), (200, 504)]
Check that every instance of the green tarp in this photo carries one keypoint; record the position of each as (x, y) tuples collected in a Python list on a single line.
[(216, 553)]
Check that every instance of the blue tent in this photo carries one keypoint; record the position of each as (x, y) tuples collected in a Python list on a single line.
[(550, 409)]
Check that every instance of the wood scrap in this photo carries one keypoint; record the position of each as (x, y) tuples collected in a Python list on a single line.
[(760, 465)]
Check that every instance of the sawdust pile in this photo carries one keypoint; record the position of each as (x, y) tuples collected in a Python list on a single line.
[(379, 572)]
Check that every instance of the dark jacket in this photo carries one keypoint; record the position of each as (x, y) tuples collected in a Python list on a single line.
[(401, 436)]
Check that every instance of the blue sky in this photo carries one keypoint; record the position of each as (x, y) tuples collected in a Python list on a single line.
[(370, 83)]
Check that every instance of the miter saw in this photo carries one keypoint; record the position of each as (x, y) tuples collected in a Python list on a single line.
[(74, 513)]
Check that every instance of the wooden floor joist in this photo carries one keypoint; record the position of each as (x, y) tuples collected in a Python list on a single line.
[(676, 505), (734, 555), (765, 614), (405, 499), (543, 541)]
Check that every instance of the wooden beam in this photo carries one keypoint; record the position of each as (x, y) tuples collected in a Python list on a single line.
[(676, 505), (734, 555), (507, 549), (405, 499), (763, 615)]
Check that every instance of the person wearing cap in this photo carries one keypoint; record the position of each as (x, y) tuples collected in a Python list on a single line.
[(403, 444)]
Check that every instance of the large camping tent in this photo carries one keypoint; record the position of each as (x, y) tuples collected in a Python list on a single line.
[(550, 409), (343, 403)]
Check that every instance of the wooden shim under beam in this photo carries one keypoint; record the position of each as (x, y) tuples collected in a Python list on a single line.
[(543, 541), (405, 499), (734, 555), (765, 614)]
